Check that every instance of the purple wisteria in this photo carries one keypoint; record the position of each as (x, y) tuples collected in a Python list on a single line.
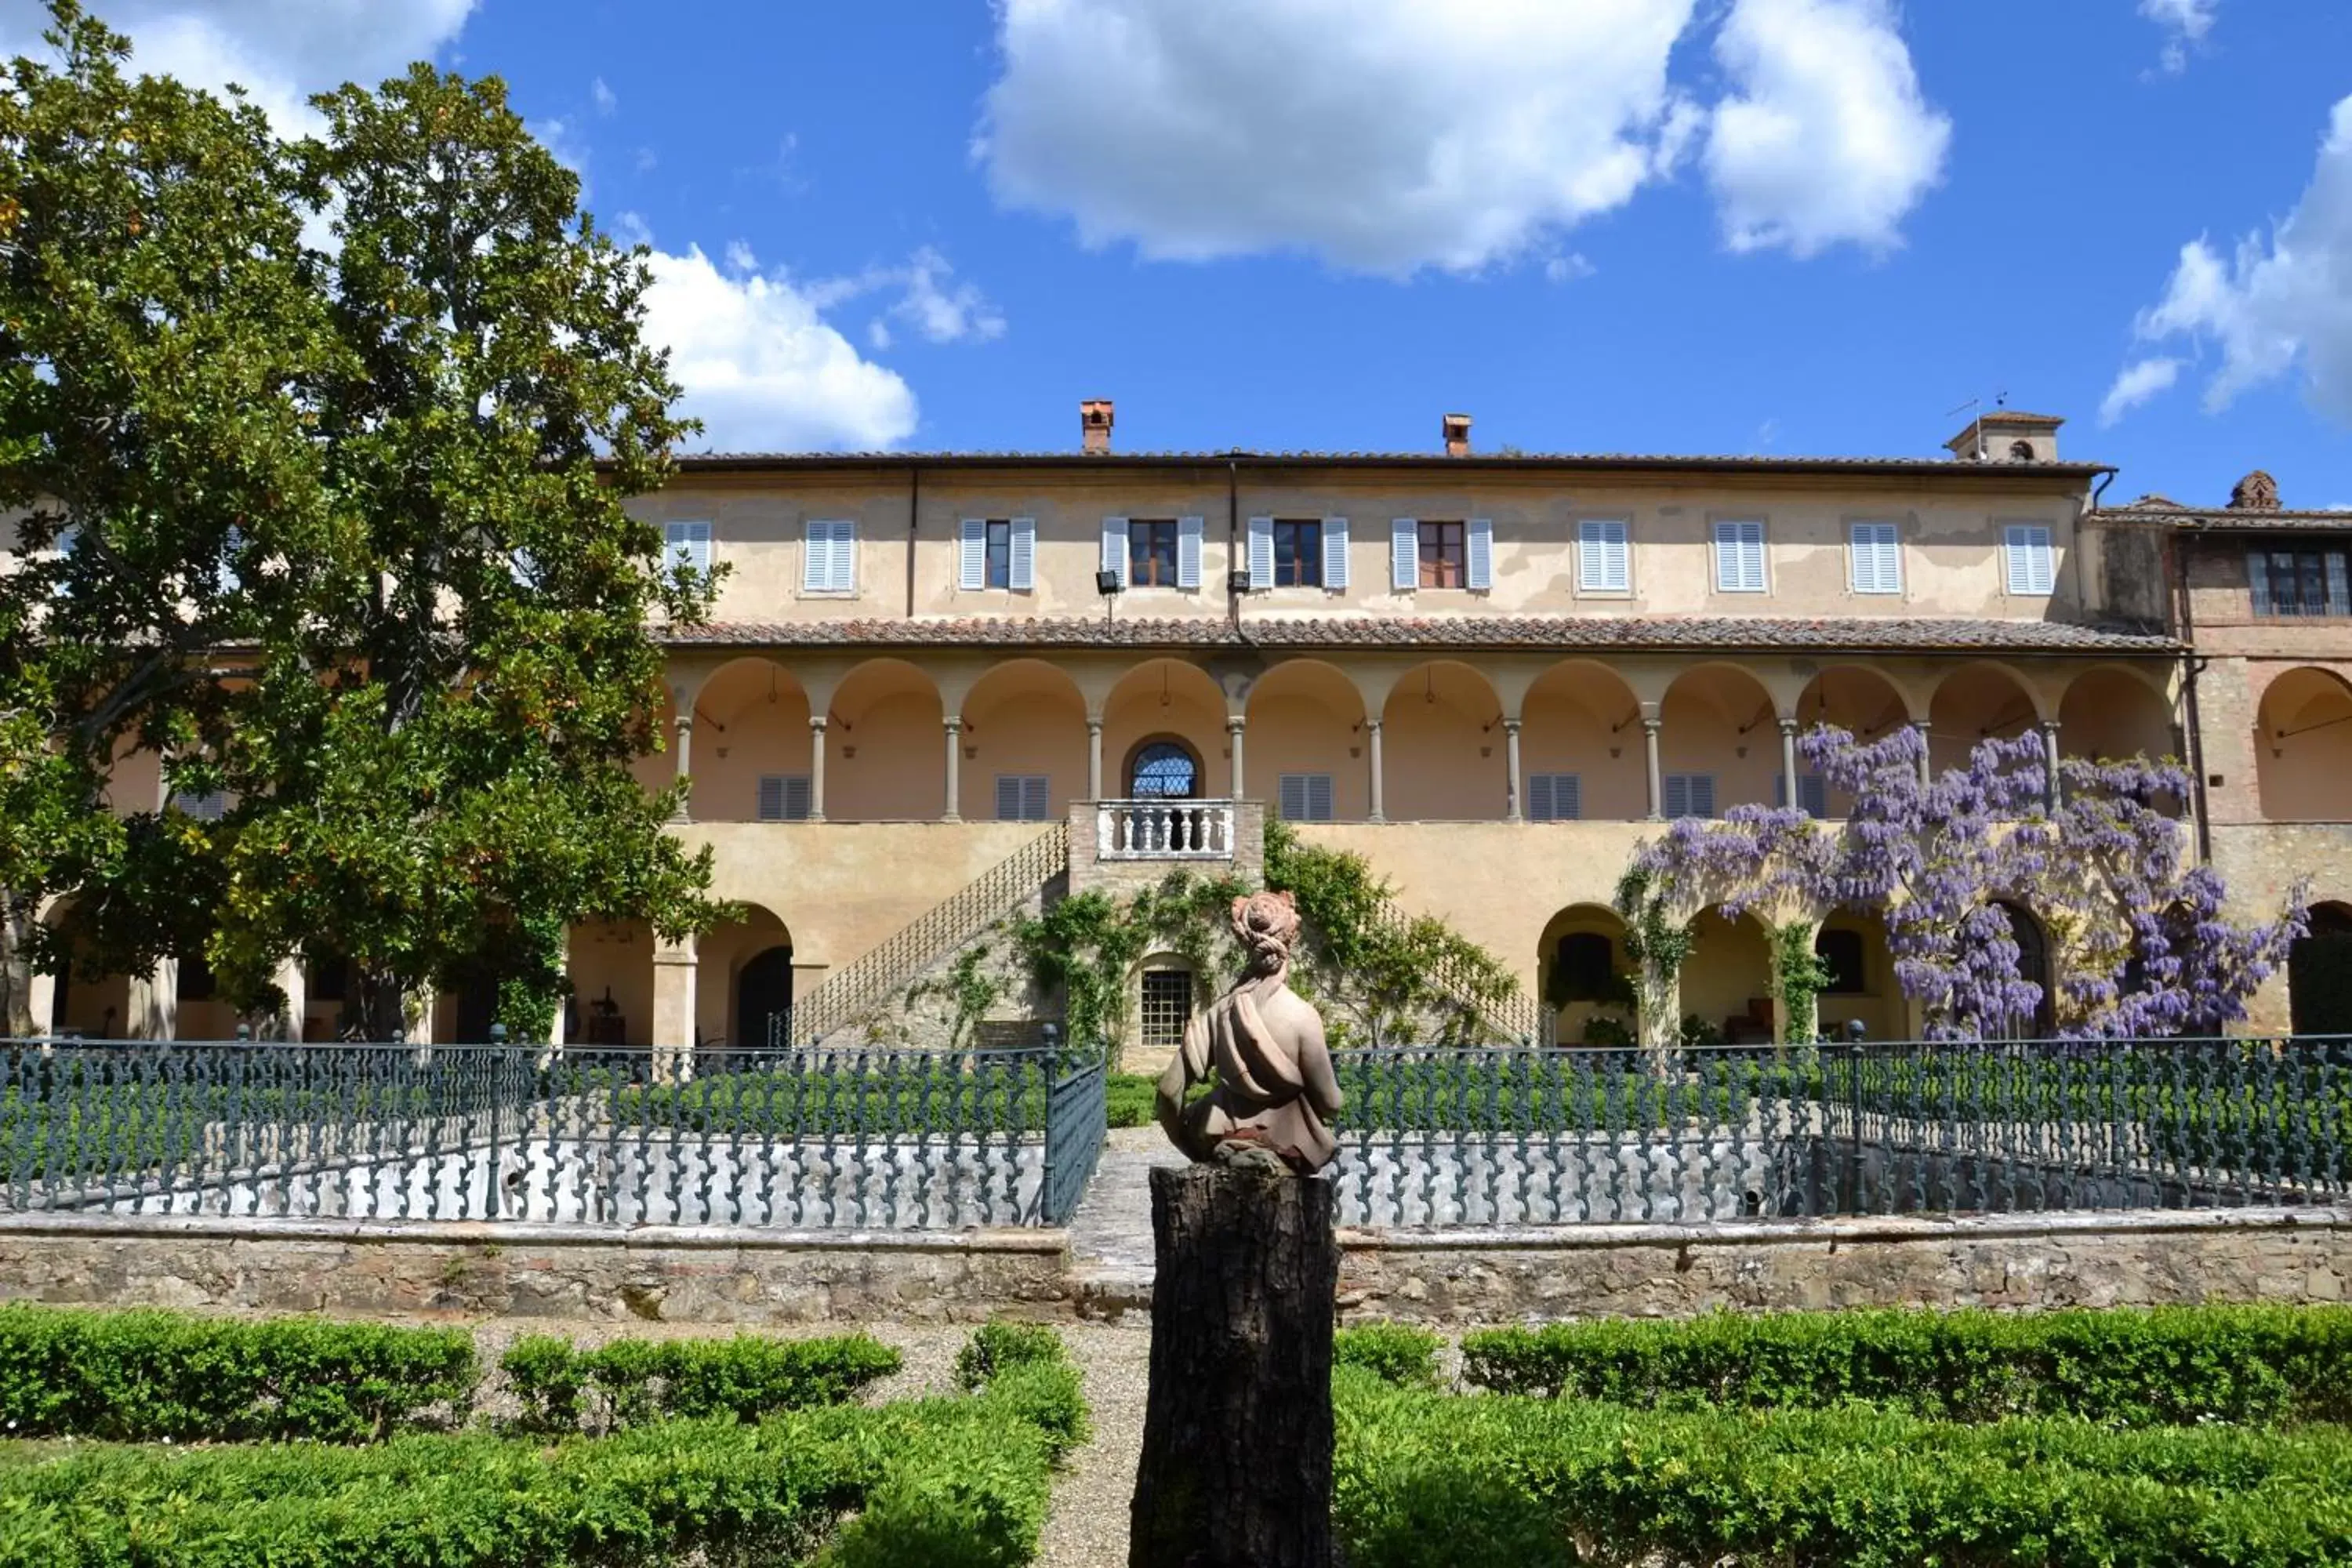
[(1948, 863)]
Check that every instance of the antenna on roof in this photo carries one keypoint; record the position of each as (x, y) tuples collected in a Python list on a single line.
[(1975, 406)]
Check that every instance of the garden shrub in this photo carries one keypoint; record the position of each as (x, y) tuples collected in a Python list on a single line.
[(2120, 1366), (1399, 1353), (1130, 1100), (1424, 1480), (142, 1376), (628, 1383), (955, 1483), (994, 1346)]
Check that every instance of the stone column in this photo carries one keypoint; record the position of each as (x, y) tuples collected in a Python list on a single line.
[(954, 812), (685, 761), (42, 996), (154, 1003), (1927, 767), (674, 1010), (1094, 759), (816, 767), (1788, 762), (1650, 728), (1513, 788), (1233, 728), (1380, 799), (295, 983), (2050, 765)]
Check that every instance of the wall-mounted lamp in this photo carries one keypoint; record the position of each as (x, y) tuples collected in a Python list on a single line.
[(1237, 582), (1106, 583)]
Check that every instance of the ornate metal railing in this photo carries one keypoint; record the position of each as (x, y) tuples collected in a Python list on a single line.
[(858, 987), (1511, 1018), (877, 1138), (1477, 1137), (1164, 830)]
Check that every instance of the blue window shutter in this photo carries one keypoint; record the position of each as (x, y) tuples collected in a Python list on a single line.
[(1113, 548), (1814, 794), (1702, 795), (1022, 569), (1404, 555), (1479, 554), (1335, 552), (1677, 796), (972, 554), (1261, 552), (1187, 551)]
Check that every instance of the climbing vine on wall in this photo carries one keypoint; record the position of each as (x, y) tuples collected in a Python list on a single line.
[(1085, 945), (1799, 977), (968, 986)]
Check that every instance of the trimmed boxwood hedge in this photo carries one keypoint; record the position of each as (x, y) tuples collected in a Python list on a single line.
[(960, 1483), (1425, 1479), (143, 1376), (628, 1383), (2118, 1366), (1401, 1354)]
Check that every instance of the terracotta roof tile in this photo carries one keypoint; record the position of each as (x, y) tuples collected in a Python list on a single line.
[(1496, 632), (1570, 461), (2156, 513)]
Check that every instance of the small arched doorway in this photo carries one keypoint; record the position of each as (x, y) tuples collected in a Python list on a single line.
[(1163, 768), (2319, 974), (2033, 965), (764, 999)]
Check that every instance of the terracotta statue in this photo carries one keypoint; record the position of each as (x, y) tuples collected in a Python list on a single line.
[(1262, 1045)]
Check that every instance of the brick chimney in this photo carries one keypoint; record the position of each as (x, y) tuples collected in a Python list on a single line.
[(2257, 493), (1457, 434), (1094, 423)]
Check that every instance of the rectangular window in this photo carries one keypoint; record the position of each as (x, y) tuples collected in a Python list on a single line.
[(1441, 554), (1738, 558), (2298, 582), (829, 563), (1151, 552), (687, 545), (205, 808), (1021, 797), (2031, 564), (1690, 794), (1297, 553), (1812, 794), (1603, 563), (1874, 559), (783, 797), (1306, 797), (1167, 1008), (1000, 552), (1555, 797), (1840, 953)]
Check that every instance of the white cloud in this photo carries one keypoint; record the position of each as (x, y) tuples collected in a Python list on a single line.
[(2185, 25), (2276, 302), (630, 228), (281, 51), (1383, 135), (930, 300), (761, 368), (740, 257), (562, 140), (602, 97), (2135, 384), (1826, 138), (1566, 268)]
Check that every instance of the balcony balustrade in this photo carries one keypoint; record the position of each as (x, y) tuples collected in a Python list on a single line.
[(1164, 830)]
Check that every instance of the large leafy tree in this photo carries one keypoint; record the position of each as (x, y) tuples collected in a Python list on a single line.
[(158, 317), (433, 756)]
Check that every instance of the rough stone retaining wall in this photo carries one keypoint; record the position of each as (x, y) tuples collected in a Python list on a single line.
[(719, 1275)]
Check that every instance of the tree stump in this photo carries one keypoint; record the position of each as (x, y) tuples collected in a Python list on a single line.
[(1236, 1466)]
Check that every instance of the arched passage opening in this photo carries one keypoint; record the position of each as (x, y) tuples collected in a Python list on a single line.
[(1583, 747), (1851, 946), (2033, 964), (1305, 747), (83, 1001), (1857, 700), (1024, 742), (1719, 744), (1979, 702), (2108, 715), (750, 750), (1164, 733), (1584, 977), (745, 981), (2319, 972), (1443, 752), (1727, 980), (886, 748), (2303, 748), (610, 967)]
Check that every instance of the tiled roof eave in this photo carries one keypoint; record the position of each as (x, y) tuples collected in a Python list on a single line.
[(1496, 633)]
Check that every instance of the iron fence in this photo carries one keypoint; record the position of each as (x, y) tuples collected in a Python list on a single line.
[(884, 1138), (1477, 1136)]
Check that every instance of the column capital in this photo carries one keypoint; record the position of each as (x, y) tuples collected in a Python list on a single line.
[(2049, 726), (1093, 726), (685, 722), (1788, 726), (819, 721), (1652, 726), (1372, 725), (1235, 725), (1510, 726), (954, 723)]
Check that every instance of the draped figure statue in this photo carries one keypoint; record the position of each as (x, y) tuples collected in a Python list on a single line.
[(1261, 1045)]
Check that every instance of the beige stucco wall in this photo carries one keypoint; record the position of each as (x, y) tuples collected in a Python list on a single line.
[(1951, 533)]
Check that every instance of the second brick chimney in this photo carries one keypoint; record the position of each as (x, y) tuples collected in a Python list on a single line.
[(1457, 434), (1094, 423)]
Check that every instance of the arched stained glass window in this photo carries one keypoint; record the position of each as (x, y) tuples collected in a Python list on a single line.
[(1163, 770)]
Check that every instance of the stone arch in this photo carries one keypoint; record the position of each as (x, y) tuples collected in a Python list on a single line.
[(1853, 942), (1306, 720), (95, 1005), (1023, 720), (2319, 972), (2037, 961), (1727, 979), (610, 964), (2110, 712), (1864, 702), (1581, 721), (1718, 722), (1976, 703), (886, 758), (751, 722), (1166, 699), (2303, 746), (724, 955), (1584, 977), (1444, 751)]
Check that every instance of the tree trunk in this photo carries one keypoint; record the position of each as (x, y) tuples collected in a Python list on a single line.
[(15, 966), (1236, 1467)]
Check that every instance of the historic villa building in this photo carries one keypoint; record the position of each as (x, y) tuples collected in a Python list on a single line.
[(936, 686)]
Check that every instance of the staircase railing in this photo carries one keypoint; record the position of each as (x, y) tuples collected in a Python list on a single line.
[(1510, 1019), (857, 988)]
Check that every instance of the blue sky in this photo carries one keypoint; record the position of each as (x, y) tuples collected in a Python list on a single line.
[(1703, 226)]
